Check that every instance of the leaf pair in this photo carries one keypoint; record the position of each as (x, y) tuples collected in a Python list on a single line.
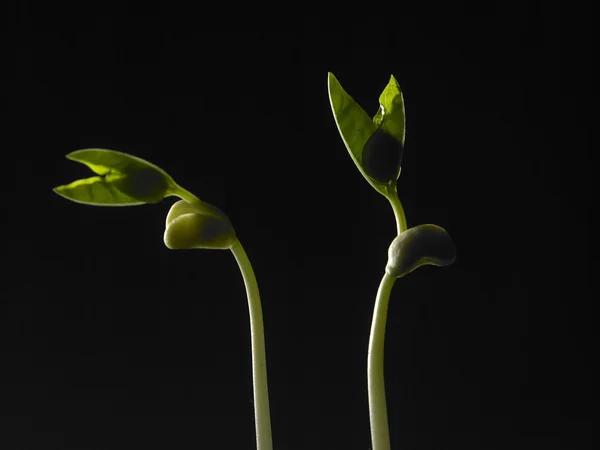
[(376, 144), (123, 180)]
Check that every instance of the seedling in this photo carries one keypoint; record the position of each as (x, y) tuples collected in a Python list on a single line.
[(126, 180), (376, 146)]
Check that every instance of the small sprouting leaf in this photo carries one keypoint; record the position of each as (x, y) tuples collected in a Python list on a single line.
[(390, 115), (354, 124), (418, 246), (96, 191), (123, 180), (190, 227), (375, 145)]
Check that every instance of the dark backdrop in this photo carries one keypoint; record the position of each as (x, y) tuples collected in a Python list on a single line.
[(112, 341)]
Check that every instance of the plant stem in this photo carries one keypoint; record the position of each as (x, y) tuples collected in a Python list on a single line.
[(262, 416), (380, 434), (186, 195), (398, 209)]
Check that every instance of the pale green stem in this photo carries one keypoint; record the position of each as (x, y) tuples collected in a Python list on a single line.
[(380, 434), (398, 209), (262, 416), (186, 195)]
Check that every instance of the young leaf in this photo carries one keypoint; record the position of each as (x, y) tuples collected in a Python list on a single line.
[(390, 115), (123, 180), (96, 191), (375, 145), (382, 153), (353, 123)]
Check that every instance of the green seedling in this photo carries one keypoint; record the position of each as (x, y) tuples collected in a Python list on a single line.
[(376, 146), (124, 180)]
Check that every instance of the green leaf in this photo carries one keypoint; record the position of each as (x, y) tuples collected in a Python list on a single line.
[(375, 145), (123, 180), (353, 123), (390, 115)]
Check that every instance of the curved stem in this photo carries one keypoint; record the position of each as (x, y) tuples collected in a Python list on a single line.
[(204, 207), (184, 194), (262, 418), (380, 434), (398, 209)]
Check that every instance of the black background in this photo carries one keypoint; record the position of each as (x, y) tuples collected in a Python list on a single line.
[(112, 341)]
